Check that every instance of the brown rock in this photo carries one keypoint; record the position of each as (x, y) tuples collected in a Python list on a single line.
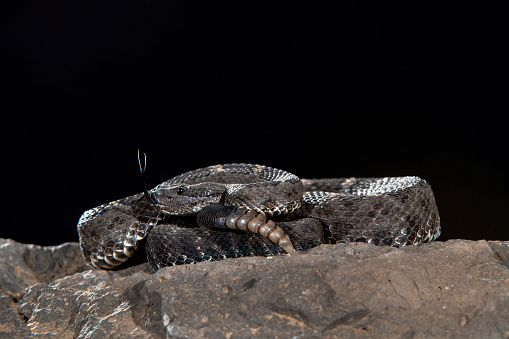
[(453, 289), (24, 265)]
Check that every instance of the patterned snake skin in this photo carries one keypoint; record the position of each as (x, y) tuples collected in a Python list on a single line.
[(236, 210)]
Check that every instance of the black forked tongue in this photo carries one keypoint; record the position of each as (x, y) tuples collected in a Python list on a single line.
[(149, 196)]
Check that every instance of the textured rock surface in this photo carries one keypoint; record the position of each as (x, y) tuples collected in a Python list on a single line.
[(24, 265), (453, 289)]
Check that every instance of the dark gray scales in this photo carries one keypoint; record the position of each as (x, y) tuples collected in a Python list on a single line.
[(396, 211)]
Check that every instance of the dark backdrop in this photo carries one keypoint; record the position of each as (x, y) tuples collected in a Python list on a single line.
[(346, 88)]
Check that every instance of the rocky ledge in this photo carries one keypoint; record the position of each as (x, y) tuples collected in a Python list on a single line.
[(453, 289)]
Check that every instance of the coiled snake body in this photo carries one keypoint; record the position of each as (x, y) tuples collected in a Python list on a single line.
[(235, 210)]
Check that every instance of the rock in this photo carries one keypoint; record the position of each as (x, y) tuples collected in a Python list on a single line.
[(447, 289), (24, 265)]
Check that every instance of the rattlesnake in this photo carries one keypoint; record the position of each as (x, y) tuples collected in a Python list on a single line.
[(236, 210)]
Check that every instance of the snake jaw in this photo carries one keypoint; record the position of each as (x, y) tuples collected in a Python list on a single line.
[(187, 199)]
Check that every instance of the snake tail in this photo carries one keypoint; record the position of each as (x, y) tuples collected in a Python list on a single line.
[(224, 217)]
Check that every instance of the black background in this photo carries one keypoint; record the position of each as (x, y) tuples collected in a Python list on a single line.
[(346, 88)]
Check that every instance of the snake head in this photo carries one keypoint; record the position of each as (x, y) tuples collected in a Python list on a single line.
[(186, 199)]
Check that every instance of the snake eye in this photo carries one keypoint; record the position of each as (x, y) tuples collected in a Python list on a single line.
[(181, 190)]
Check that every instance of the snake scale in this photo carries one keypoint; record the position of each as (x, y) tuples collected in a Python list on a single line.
[(235, 210)]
